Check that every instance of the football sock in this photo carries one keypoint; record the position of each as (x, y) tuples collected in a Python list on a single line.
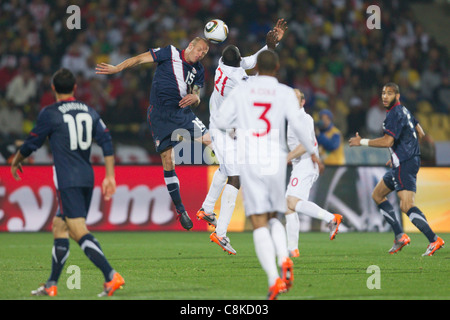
[(278, 234), (173, 186), (388, 213), (265, 251), (60, 253), (313, 210), (94, 252), (418, 219), (217, 184), (292, 230), (227, 205)]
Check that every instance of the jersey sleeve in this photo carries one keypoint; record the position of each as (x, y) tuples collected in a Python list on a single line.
[(103, 138), (161, 54), (38, 134), (297, 121), (249, 62)]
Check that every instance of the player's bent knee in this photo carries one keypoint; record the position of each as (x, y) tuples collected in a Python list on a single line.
[(291, 203)]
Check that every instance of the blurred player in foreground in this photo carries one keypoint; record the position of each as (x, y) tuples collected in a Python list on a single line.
[(401, 135), (303, 176), (175, 89), (70, 126), (258, 110), (229, 73)]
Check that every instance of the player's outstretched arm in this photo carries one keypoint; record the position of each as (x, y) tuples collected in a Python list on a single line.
[(109, 182), (385, 141), (105, 68)]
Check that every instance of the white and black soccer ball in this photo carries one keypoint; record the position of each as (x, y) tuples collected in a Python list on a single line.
[(216, 31)]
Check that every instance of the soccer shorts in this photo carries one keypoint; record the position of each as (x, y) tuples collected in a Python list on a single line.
[(303, 176), (74, 202), (404, 176), (264, 192), (225, 149), (169, 125)]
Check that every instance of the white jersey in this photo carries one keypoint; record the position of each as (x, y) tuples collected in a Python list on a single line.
[(258, 110), (225, 79), (293, 141)]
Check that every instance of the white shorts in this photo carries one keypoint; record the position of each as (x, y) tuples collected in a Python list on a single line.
[(303, 176), (263, 192), (225, 149)]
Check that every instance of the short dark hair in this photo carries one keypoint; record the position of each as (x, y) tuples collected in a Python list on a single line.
[(393, 86), (231, 56), (64, 81), (267, 61)]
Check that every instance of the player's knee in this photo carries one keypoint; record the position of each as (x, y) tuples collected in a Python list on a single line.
[(292, 203), (405, 205), (234, 181)]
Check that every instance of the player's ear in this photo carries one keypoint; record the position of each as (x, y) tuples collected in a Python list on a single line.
[(74, 88)]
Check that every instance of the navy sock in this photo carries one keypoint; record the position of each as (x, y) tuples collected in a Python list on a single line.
[(173, 186), (60, 253), (418, 219), (94, 252), (388, 213)]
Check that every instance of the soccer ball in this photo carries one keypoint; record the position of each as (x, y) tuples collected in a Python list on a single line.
[(216, 31)]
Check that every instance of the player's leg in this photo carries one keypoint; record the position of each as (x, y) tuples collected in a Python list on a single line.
[(302, 179), (173, 186), (227, 205), (419, 220), (384, 187), (292, 232), (76, 202), (60, 253)]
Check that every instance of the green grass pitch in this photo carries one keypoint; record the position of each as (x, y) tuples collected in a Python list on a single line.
[(187, 266)]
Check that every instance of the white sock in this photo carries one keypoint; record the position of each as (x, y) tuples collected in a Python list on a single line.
[(265, 251), (279, 239), (227, 205), (313, 210), (217, 184), (292, 230)]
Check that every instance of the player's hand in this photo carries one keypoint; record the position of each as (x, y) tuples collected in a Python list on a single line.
[(355, 141), (189, 99), (316, 160), (389, 163), (108, 187), (104, 68), (14, 169), (280, 28), (271, 39)]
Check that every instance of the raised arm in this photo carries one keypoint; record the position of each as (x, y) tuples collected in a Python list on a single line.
[(105, 68)]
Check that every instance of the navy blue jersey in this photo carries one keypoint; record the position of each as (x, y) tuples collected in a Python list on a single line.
[(401, 125), (70, 126), (174, 77)]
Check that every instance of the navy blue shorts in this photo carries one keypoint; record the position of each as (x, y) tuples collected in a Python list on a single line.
[(168, 125), (403, 177), (74, 202)]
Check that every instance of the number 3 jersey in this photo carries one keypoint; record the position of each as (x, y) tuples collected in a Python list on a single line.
[(71, 127), (401, 125)]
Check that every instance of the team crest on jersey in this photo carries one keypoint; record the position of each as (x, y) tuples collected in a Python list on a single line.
[(194, 71), (157, 142)]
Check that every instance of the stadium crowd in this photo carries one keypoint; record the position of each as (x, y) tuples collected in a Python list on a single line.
[(329, 53)]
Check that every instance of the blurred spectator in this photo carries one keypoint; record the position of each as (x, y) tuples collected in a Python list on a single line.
[(442, 95), (22, 88), (330, 139), (11, 120)]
